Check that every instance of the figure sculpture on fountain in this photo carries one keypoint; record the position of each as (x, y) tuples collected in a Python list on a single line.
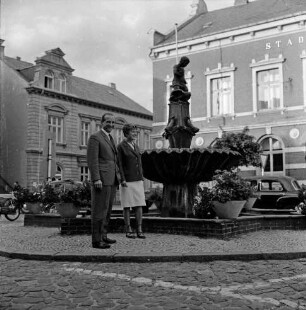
[(179, 130)]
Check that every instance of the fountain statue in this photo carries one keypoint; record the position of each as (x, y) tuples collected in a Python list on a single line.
[(181, 168)]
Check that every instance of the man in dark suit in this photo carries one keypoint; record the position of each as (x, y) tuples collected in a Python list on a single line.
[(105, 177)]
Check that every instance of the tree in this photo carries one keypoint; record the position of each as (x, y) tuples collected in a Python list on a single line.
[(243, 143)]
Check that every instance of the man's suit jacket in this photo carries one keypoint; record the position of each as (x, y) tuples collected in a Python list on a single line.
[(129, 162), (102, 159)]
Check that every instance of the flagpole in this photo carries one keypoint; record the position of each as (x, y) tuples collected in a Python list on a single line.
[(176, 44)]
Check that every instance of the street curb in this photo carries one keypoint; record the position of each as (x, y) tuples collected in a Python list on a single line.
[(149, 257)]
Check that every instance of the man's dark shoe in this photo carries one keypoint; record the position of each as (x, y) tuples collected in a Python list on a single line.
[(100, 245), (108, 241)]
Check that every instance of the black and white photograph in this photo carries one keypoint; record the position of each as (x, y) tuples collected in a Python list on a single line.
[(153, 154)]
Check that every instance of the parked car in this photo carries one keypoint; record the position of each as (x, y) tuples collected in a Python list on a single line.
[(275, 192)]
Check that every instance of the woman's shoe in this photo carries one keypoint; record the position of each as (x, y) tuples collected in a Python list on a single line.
[(140, 235), (130, 235)]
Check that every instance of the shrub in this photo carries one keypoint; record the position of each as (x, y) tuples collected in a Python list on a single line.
[(243, 143)]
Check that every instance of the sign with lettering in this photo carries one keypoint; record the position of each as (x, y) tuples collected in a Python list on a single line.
[(287, 42)]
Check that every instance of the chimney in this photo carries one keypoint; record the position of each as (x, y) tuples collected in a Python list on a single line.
[(198, 7), (112, 85), (240, 2), (1, 50)]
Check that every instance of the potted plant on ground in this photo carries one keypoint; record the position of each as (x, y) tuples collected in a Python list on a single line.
[(229, 193), (49, 198), (69, 201), (33, 201)]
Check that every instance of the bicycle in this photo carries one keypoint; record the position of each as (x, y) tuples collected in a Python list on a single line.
[(10, 208)]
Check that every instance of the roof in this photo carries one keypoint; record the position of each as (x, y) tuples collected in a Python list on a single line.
[(95, 92), (234, 17), (84, 89), (16, 63)]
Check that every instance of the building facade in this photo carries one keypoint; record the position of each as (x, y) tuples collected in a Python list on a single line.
[(47, 115), (247, 68)]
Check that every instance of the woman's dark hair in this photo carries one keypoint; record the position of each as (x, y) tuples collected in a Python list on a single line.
[(127, 128)]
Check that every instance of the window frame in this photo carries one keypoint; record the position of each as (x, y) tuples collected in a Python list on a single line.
[(58, 111), (265, 65), (62, 83), (49, 79), (85, 174), (270, 154), (219, 73), (84, 132)]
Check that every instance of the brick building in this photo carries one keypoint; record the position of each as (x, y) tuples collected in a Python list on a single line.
[(247, 67), (47, 115)]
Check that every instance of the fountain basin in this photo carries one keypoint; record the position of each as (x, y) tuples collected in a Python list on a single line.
[(180, 170)]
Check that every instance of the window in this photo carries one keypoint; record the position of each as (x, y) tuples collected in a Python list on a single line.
[(56, 126), (146, 140), (220, 91), (62, 84), (84, 173), (269, 89), (303, 57), (118, 135), (221, 96), (49, 80), (84, 133), (168, 82), (59, 173), (273, 148), (267, 78), (98, 126)]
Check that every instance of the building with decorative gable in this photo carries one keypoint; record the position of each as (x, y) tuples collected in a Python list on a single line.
[(47, 115), (247, 68)]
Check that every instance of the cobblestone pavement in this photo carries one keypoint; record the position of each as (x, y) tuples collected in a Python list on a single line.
[(234, 285), (48, 241)]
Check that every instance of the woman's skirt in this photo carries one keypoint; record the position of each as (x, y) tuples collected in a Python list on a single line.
[(132, 195)]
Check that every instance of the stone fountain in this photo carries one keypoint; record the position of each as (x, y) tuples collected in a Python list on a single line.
[(181, 168)]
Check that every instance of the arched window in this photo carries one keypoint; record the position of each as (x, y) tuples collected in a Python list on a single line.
[(273, 148), (49, 80), (59, 172), (62, 83)]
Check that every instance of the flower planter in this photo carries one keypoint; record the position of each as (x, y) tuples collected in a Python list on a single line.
[(67, 209), (34, 207), (250, 203), (228, 210)]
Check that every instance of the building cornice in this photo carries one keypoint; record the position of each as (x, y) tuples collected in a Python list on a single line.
[(68, 97), (230, 37)]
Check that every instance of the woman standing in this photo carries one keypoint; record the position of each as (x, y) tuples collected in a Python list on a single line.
[(131, 189)]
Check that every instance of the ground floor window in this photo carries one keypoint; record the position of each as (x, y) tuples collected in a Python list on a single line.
[(272, 147), (84, 173)]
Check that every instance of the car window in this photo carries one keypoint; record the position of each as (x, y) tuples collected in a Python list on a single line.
[(264, 186), (271, 186), (296, 185), (276, 187)]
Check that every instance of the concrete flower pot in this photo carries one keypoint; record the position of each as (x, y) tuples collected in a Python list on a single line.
[(67, 209), (228, 210), (34, 207)]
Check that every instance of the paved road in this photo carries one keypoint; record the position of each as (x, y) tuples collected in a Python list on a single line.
[(230, 285)]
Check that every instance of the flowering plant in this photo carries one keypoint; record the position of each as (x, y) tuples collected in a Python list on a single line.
[(229, 185), (202, 207), (24, 195)]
